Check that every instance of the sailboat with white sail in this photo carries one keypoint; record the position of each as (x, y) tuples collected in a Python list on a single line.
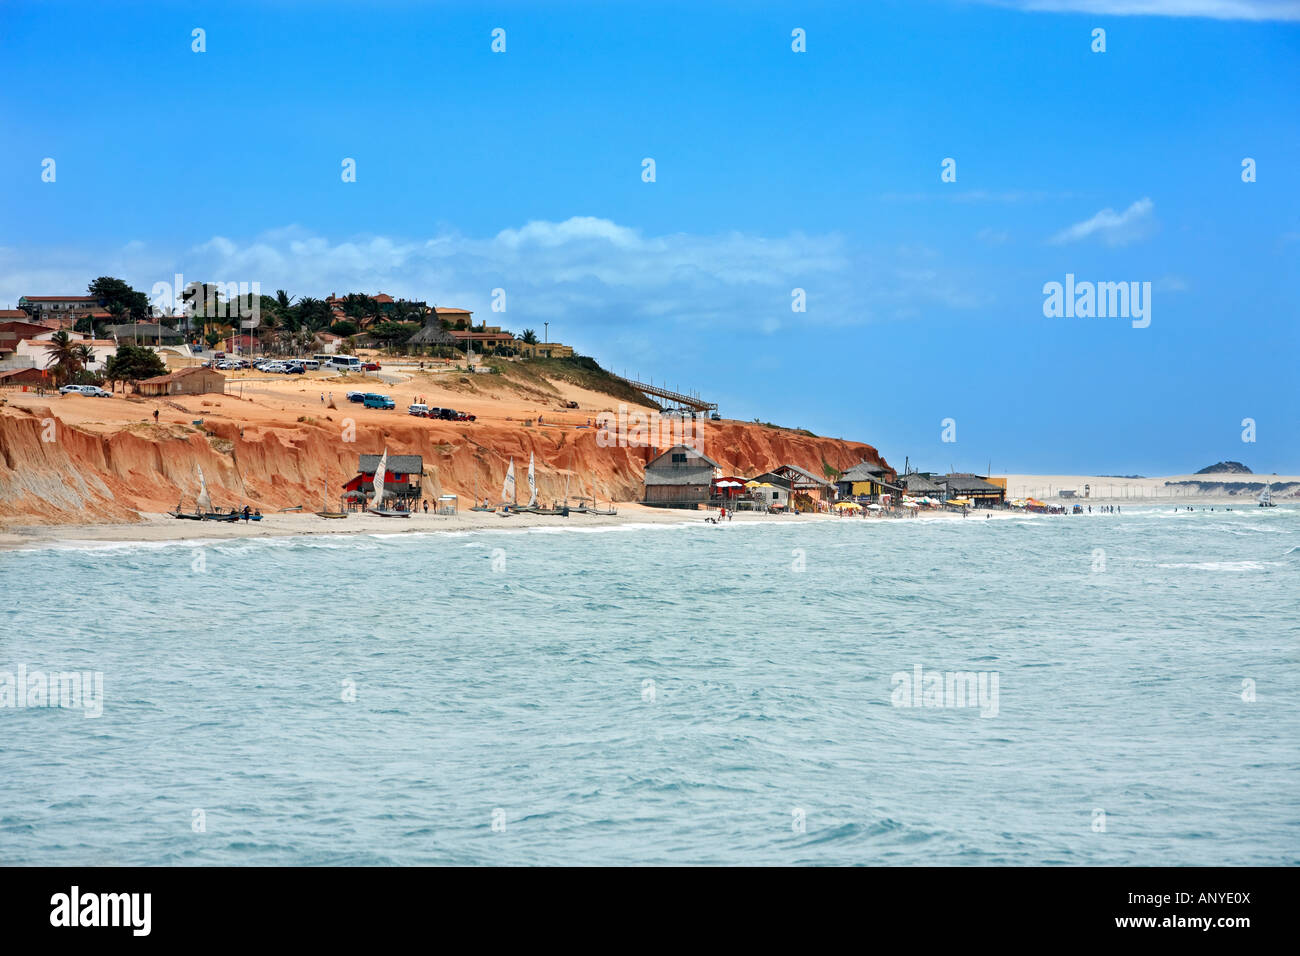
[(508, 499), (533, 507), (377, 499), (1265, 498), (203, 510)]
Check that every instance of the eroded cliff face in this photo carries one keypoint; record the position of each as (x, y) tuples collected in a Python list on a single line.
[(53, 472)]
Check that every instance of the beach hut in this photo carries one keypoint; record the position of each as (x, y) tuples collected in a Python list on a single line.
[(186, 381), (867, 480), (978, 490), (681, 477), (918, 484), (402, 477), (807, 491)]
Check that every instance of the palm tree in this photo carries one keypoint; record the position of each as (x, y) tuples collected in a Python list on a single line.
[(267, 330), (63, 357), (528, 337), (85, 355)]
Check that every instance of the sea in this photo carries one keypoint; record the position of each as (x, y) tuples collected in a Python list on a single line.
[(1058, 690)]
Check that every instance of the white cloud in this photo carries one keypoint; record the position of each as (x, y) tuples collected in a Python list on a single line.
[(1210, 9), (608, 287), (1113, 228)]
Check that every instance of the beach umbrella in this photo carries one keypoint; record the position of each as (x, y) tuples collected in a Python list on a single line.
[(847, 506), (910, 504), (874, 507)]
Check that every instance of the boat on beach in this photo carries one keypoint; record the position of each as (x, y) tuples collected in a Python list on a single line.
[(325, 510), (509, 501), (203, 510), (480, 507), (533, 508)]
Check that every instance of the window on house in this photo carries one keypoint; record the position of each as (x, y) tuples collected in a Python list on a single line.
[(679, 458)]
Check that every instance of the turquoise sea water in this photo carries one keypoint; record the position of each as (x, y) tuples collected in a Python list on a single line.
[(502, 678)]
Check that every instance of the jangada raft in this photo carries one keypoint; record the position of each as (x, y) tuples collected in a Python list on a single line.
[(203, 510), (325, 512), (377, 501)]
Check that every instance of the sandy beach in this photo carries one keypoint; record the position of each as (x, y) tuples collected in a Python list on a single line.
[(162, 528), (1170, 489)]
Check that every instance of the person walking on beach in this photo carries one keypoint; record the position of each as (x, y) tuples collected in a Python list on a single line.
[(426, 505)]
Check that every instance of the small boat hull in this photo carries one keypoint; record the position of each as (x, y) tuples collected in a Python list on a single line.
[(385, 513), (331, 514)]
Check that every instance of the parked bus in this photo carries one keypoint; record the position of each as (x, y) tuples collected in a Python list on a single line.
[(346, 363)]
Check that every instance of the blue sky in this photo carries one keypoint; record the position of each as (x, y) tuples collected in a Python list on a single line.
[(775, 170)]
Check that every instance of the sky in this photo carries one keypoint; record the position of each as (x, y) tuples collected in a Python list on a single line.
[(775, 170)]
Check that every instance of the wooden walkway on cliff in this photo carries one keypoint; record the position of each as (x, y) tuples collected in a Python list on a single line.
[(693, 402)]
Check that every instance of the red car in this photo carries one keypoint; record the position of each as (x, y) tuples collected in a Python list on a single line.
[(370, 366)]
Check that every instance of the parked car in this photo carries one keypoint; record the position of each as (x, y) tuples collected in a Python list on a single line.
[(295, 370), (370, 366), (418, 409), (378, 401), (90, 391), (356, 396)]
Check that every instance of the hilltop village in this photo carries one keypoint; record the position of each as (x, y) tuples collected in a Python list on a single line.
[(289, 405)]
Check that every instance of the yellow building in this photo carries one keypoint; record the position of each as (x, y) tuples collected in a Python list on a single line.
[(544, 350)]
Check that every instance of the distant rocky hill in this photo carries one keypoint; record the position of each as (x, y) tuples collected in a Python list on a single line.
[(1226, 468)]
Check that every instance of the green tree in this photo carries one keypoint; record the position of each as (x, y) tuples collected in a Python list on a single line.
[(344, 328), (391, 333), (133, 363), (109, 291), (314, 314), (63, 359), (527, 336)]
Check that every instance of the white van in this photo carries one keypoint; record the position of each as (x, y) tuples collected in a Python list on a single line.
[(310, 364), (345, 363)]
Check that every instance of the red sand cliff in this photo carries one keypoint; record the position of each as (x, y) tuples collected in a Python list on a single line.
[(108, 472)]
